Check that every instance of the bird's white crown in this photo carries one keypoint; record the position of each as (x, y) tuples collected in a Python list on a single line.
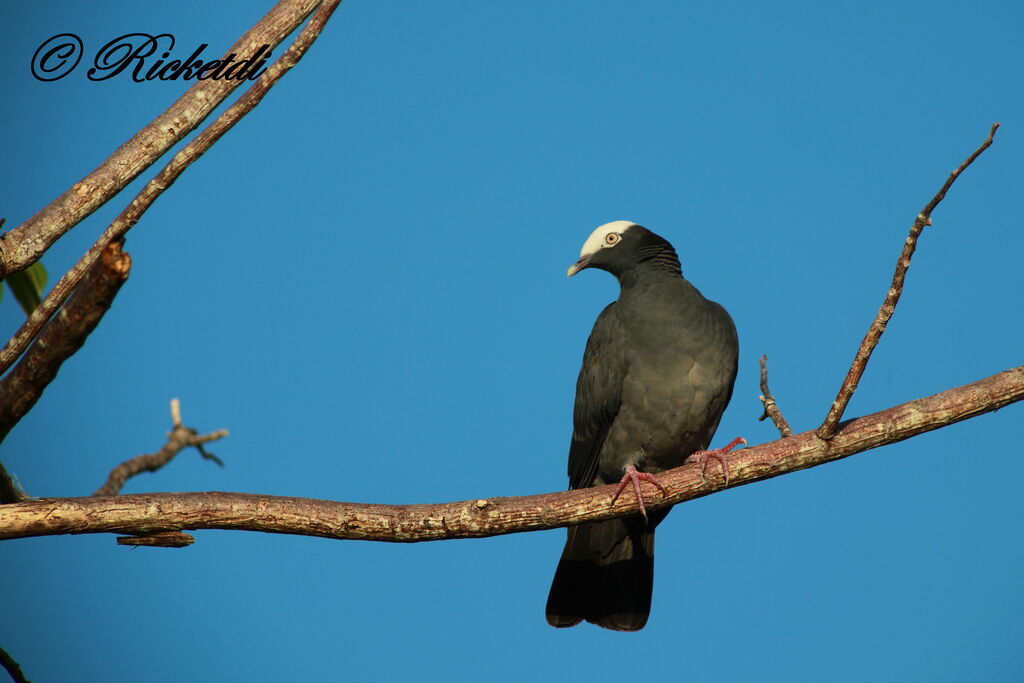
[(596, 241)]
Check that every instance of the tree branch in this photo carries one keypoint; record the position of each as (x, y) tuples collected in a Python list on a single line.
[(22, 246), (771, 408), (62, 337), (860, 361), (179, 438), (144, 514), (12, 667), (145, 198)]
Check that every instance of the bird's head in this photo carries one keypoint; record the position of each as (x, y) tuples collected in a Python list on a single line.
[(620, 245)]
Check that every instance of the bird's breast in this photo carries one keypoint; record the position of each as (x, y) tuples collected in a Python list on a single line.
[(681, 363)]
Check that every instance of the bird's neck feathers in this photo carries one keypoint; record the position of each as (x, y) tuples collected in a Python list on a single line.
[(660, 256), (654, 260)]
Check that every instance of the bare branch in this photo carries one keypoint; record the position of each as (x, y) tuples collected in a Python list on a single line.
[(62, 337), (828, 428), (145, 514), (22, 246), (192, 151), (180, 437), (771, 408)]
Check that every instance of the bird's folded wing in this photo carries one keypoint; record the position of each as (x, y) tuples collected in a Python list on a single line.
[(598, 396)]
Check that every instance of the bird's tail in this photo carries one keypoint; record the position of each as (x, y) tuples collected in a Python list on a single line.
[(606, 575)]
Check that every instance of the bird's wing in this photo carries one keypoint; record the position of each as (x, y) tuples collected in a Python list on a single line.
[(598, 396)]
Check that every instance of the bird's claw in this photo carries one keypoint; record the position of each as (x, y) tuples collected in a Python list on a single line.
[(632, 476), (718, 454)]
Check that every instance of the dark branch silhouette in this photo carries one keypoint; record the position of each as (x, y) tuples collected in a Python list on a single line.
[(12, 667)]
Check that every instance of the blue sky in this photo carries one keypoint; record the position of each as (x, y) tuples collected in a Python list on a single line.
[(364, 281)]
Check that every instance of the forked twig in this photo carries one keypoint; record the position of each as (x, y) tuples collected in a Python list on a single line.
[(771, 408), (179, 438)]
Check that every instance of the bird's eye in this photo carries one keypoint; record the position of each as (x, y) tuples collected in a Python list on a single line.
[(612, 238)]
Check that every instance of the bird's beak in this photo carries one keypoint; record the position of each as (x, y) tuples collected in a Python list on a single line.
[(578, 266)]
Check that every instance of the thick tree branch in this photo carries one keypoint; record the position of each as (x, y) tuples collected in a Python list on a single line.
[(22, 246), (860, 361), (771, 408), (62, 337), (146, 514), (180, 437), (179, 162)]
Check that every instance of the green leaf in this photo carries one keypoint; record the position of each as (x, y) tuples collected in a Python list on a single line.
[(27, 286)]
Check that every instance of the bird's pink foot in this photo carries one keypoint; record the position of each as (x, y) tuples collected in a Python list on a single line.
[(718, 454), (632, 476)]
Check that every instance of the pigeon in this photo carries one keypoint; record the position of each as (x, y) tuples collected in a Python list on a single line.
[(658, 372)]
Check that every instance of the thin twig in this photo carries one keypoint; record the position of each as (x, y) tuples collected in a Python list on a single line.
[(828, 428), (22, 246), (180, 437), (146, 514), (62, 337), (771, 408), (175, 412), (154, 188)]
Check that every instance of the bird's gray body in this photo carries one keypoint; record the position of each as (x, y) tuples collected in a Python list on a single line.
[(657, 374), (654, 366)]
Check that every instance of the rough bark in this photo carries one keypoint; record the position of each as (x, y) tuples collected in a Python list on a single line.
[(154, 188), (22, 246), (62, 336), (145, 514)]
